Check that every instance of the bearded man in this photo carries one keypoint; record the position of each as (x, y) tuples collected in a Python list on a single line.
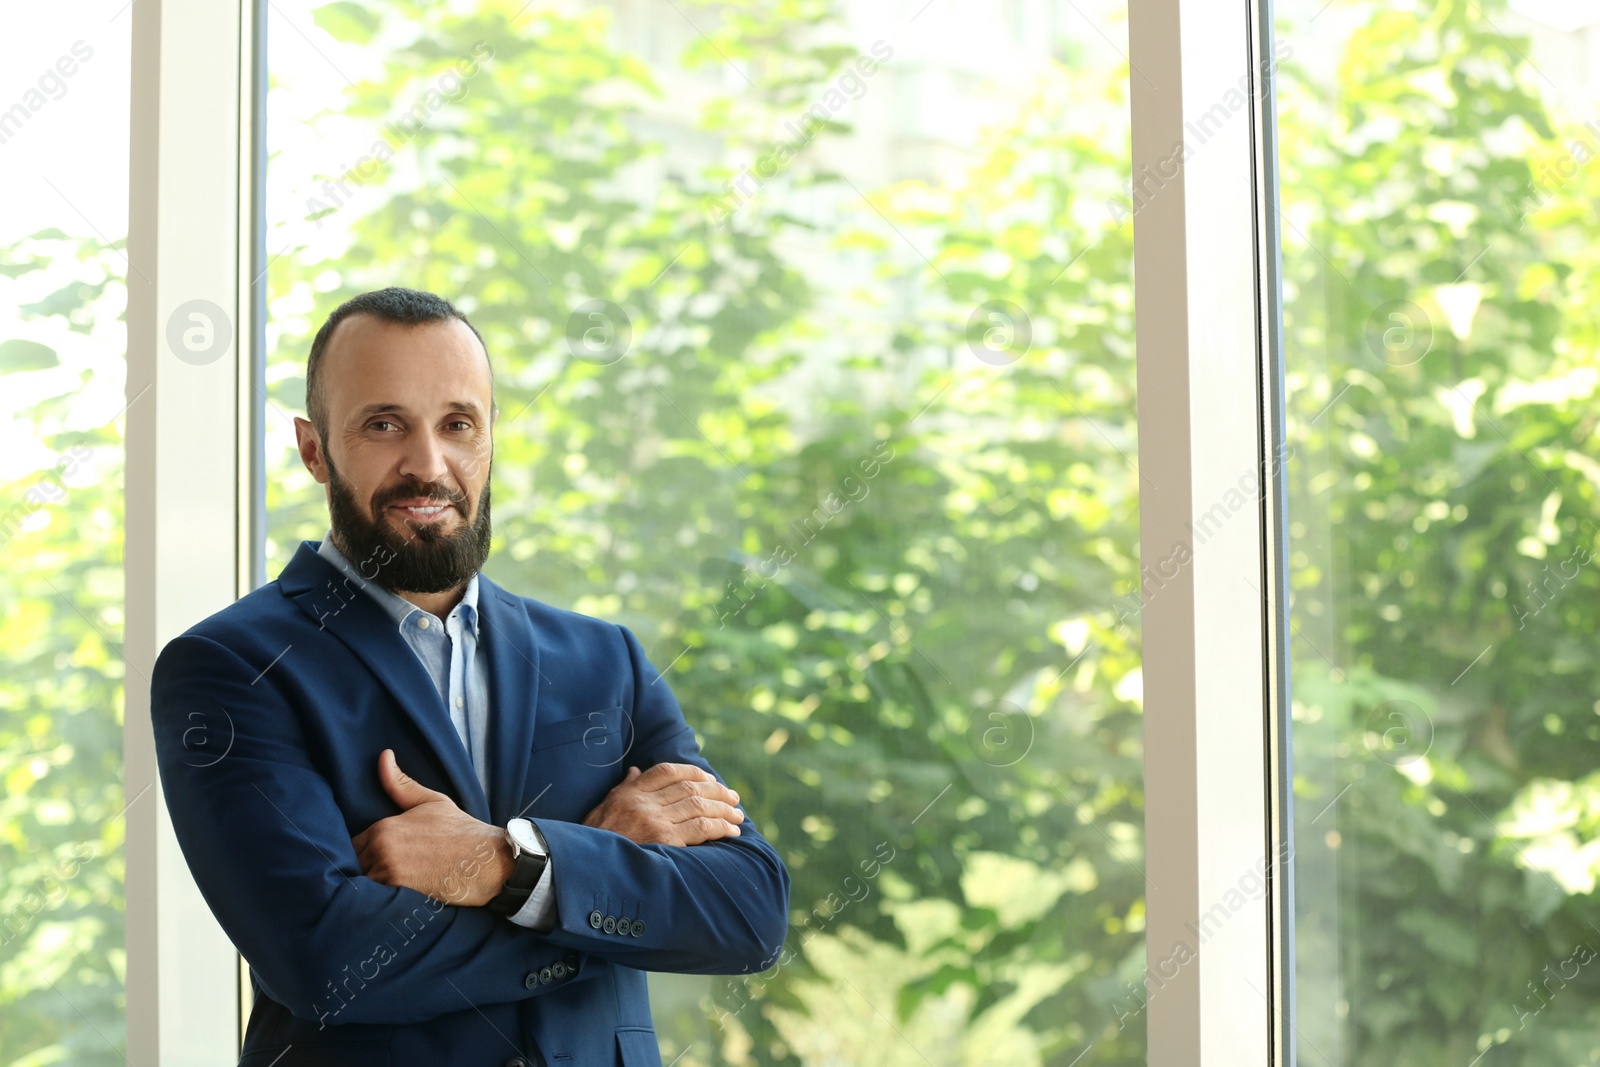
[(451, 825)]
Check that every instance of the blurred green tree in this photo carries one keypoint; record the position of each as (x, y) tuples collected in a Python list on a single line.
[(881, 571), (953, 628), (62, 964), (1442, 376)]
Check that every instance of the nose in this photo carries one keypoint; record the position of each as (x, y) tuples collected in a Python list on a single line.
[(424, 458)]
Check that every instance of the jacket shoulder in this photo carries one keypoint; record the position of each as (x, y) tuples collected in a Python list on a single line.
[(260, 617), (273, 613)]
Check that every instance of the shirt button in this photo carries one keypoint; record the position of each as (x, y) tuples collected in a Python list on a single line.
[(460, 702), (422, 624)]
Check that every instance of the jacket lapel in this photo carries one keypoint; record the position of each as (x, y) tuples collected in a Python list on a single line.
[(514, 680), (352, 616)]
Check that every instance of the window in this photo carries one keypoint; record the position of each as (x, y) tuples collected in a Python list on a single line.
[(1437, 197), (814, 328), (832, 403), (63, 283)]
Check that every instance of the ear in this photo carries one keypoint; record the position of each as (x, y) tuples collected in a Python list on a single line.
[(311, 450)]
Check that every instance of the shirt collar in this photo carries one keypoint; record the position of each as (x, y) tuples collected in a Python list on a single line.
[(398, 607)]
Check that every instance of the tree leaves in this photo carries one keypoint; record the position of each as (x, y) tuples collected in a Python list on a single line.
[(346, 21), (18, 355)]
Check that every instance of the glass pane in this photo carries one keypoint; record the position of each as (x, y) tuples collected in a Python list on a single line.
[(64, 182), (813, 335), (1440, 283)]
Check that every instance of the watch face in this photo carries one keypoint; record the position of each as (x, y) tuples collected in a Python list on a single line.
[(525, 837)]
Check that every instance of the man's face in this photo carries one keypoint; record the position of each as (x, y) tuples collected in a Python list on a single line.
[(408, 451)]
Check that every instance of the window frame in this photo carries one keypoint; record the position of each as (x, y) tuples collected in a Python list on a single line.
[(1208, 333), (1209, 365), (194, 201)]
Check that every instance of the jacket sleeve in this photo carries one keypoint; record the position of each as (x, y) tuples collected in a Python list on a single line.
[(716, 908), (268, 846)]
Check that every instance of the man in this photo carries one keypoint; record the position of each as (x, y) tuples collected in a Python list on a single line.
[(443, 824)]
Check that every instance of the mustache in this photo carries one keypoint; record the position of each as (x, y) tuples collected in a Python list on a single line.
[(406, 491)]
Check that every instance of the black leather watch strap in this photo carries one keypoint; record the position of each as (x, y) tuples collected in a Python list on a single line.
[(519, 887)]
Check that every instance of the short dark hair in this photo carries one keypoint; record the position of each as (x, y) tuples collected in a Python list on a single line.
[(405, 307)]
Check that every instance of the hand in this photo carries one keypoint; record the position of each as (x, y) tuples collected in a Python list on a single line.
[(433, 846), (670, 804)]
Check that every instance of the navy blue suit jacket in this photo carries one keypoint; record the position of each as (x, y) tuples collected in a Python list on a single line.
[(269, 717)]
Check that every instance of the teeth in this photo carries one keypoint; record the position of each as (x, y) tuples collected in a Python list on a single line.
[(426, 511)]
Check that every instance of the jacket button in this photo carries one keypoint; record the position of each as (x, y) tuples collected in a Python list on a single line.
[(624, 927), (517, 1062), (572, 965), (558, 970), (595, 919), (546, 976), (610, 925), (532, 981), (638, 927)]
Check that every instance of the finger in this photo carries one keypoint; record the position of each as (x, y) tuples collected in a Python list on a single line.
[(402, 788), (693, 808), (390, 778), (664, 774), (712, 790), (699, 831), (716, 791)]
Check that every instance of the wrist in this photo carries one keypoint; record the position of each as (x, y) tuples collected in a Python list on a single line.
[(481, 873), (499, 869), (524, 847)]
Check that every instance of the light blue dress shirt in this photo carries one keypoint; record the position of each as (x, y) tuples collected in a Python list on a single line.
[(448, 650)]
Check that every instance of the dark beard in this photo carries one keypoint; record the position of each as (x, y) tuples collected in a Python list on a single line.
[(426, 559)]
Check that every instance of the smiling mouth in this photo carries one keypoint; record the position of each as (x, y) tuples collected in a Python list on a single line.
[(422, 512)]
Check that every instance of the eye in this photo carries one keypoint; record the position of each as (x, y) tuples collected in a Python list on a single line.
[(376, 423), (459, 424)]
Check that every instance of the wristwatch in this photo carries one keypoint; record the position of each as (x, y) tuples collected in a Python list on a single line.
[(528, 849)]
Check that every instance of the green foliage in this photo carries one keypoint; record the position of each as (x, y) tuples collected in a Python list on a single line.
[(62, 963), (1446, 505), (881, 573), (20, 355), (887, 579)]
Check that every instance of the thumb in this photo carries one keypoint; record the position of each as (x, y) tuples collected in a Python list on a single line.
[(402, 789)]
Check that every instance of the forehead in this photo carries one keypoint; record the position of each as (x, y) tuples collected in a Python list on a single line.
[(369, 360)]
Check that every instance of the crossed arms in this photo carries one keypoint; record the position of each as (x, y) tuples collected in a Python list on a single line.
[(308, 905), (439, 850)]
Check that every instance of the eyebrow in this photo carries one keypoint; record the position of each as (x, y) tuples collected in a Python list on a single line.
[(469, 407)]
